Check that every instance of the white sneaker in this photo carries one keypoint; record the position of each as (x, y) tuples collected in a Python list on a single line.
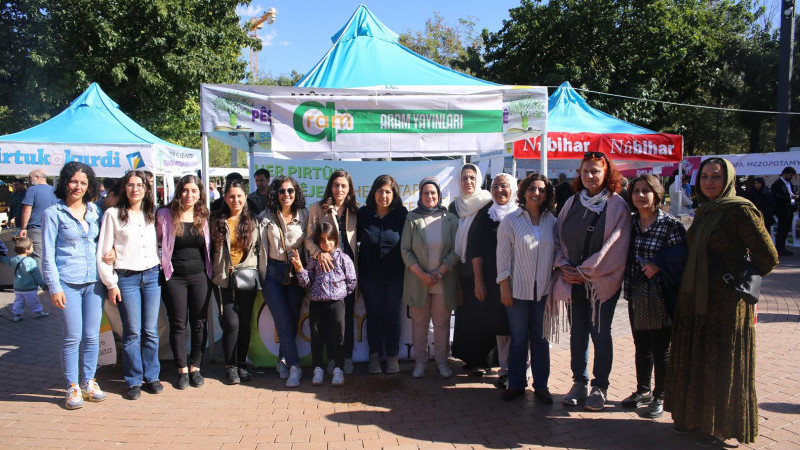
[(338, 377), (295, 373), (392, 365), (348, 366), (319, 374), (92, 392), (282, 369), (444, 371), (419, 371), (374, 364), (74, 398)]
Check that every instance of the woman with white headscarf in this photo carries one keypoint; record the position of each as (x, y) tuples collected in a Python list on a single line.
[(472, 340), (483, 257)]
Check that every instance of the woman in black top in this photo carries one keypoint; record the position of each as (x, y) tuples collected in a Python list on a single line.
[(381, 269), (182, 229), (482, 252)]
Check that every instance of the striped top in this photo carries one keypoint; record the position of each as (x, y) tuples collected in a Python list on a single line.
[(525, 256)]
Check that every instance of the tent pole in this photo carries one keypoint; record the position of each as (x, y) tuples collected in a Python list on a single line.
[(513, 166), (545, 144), (679, 180), (250, 168), (205, 169)]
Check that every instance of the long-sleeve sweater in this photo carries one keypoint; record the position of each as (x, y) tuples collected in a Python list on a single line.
[(27, 276), (334, 285), (135, 243)]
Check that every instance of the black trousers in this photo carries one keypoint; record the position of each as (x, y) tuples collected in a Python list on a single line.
[(181, 294), (785, 216), (327, 323), (237, 313), (652, 350)]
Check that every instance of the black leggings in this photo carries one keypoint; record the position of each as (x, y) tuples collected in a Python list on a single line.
[(237, 313), (652, 349), (327, 319), (182, 293)]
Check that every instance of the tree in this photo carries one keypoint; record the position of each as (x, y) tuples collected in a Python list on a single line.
[(686, 51), (441, 42), (150, 57)]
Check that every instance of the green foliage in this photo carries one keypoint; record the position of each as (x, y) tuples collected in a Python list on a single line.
[(281, 80), (150, 57), (443, 43), (688, 51)]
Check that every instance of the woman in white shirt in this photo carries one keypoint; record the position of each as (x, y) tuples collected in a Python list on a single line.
[(132, 281), (525, 252)]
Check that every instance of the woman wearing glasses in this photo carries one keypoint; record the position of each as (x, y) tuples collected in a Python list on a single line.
[(592, 238), (472, 340), (132, 281), (525, 250), (339, 208), (283, 229)]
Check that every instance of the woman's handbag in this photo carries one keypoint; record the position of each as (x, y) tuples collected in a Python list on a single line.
[(288, 270), (746, 284), (244, 279)]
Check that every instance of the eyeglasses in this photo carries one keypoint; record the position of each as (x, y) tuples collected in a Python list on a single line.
[(132, 187), (496, 187), (593, 155), (283, 191)]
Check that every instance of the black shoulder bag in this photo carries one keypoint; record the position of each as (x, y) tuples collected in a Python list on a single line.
[(746, 284)]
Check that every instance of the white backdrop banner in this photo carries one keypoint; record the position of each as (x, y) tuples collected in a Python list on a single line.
[(313, 175), (19, 158), (761, 163)]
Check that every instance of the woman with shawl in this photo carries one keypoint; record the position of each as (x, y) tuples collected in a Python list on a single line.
[(592, 238), (472, 340), (710, 386), (483, 257), (427, 247)]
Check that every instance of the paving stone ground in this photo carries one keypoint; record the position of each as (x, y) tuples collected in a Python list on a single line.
[(373, 411)]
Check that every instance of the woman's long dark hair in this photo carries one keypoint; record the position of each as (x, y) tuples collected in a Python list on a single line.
[(350, 202), (200, 210), (247, 223), (125, 204), (65, 176)]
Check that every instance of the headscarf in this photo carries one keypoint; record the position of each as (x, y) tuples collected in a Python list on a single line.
[(497, 212), (706, 219), (596, 203), (422, 209), (466, 207)]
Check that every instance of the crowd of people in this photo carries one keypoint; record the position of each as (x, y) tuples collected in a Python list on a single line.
[(516, 265)]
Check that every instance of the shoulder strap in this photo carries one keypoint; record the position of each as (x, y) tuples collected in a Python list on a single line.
[(588, 242)]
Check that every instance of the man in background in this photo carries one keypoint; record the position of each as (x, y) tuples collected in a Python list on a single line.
[(785, 204), (39, 197), (563, 192), (259, 196), (15, 203)]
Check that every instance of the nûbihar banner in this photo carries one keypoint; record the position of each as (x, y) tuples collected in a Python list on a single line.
[(656, 147)]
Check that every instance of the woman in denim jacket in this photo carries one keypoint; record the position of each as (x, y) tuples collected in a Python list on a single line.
[(70, 229)]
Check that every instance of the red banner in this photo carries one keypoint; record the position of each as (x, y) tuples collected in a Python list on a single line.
[(658, 147)]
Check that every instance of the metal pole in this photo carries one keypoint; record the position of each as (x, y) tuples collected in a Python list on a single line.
[(679, 180), (545, 144), (205, 169), (785, 75)]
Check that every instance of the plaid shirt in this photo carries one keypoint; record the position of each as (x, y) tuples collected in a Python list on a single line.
[(664, 232)]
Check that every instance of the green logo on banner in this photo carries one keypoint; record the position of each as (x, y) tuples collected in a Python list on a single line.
[(314, 121)]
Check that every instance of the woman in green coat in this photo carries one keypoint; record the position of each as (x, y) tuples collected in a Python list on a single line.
[(710, 386), (430, 285)]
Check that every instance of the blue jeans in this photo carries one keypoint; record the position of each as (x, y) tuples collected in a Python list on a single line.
[(383, 301), (525, 319), (284, 303), (141, 301), (80, 328), (600, 332)]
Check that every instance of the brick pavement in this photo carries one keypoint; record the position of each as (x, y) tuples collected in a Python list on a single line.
[(372, 411)]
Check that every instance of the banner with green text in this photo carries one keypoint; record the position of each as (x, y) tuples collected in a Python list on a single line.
[(359, 126)]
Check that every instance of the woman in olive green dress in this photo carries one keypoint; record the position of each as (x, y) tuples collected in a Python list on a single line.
[(711, 378)]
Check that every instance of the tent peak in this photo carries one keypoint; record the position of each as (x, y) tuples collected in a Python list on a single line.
[(94, 97), (364, 23)]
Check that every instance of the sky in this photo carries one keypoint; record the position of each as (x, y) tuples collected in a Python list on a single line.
[(301, 34)]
